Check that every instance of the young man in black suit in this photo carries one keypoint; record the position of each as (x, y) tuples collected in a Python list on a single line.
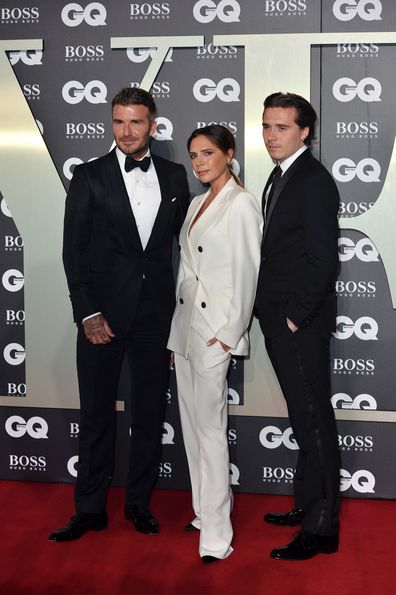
[(296, 307), (122, 211)]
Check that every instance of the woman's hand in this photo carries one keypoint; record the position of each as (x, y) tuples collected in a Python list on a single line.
[(214, 340)]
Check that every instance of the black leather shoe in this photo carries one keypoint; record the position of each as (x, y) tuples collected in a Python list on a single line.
[(210, 559), (78, 525), (142, 519), (191, 528), (306, 545), (286, 519)]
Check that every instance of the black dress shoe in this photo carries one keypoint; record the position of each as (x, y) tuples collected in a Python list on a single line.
[(210, 559), (78, 525), (142, 519), (190, 527), (306, 545), (286, 519)]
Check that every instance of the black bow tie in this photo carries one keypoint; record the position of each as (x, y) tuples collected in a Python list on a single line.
[(131, 163)]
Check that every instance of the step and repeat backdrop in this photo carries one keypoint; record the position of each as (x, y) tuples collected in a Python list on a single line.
[(204, 61)]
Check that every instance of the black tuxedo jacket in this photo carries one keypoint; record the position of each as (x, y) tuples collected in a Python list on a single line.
[(299, 255), (103, 257)]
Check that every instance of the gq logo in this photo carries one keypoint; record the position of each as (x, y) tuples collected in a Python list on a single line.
[(69, 163), (164, 129), (168, 433), (344, 401), (12, 280), (273, 437), (138, 55), (234, 475), (227, 11), (226, 90), (94, 92), (72, 465), (4, 208), (17, 427), (362, 481), (365, 328), (94, 14), (364, 250), (367, 170), (368, 10), (14, 354), (233, 397), (30, 58), (368, 89)]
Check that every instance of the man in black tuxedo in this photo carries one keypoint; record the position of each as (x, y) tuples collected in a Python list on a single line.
[(296, 306), (122, 211)]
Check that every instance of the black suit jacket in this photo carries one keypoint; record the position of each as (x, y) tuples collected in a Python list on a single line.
[(103, 257), (299, 250)]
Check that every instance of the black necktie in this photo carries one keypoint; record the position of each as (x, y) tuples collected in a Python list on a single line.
[(131, 163), (276, 176)]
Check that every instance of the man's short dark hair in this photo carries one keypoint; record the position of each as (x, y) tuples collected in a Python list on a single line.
[(135, 95), (306, 115)]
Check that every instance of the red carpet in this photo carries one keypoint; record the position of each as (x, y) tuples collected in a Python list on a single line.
[(119, 560)]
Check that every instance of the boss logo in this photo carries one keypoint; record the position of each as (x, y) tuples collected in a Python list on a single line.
[(35, 427), (71, 163), (230, 125), (15, 317), (220, 51), (233, 397), (168, 433), (344, 401), (165, 469), (357, 443), (158, 89), (367, 10), (72, 466), (350, 209), (356, 287), (234, 475), (365, 328), (27, 463), (368, 89), (13, 243), (281, 6), (367, 170), (28, 57), (363, 250), (164, 129), (15, 389), (232, 436), (278, 474), (74, 429), (14, 354), (361, 481), (272, 437), (357, 50), (138, 55), (4, 208), (91, 53), (94, 14), (94, 92), (356, 366), (359, 129), (31, 91), (85, 130), (155, 10), (227, 11), (24, 15), (226, 90), (12, 280)]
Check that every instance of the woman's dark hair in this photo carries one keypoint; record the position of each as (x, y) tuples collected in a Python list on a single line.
[(135, 96), (306, 115), (220, 136)]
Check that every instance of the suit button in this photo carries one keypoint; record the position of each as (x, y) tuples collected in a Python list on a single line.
[(203, 305), (200, 249), (196, 278), (181, 300), (263, 258)]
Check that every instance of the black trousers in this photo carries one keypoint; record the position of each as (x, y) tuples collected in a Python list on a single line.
[(301, 362), (98, 368)]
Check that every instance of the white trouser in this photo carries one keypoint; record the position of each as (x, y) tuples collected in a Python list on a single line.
[(202, 394)]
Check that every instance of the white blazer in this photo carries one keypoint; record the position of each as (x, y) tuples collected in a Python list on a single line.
[(218, 269)]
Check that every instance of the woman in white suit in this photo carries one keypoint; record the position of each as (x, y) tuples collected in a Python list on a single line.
[(216, 286)]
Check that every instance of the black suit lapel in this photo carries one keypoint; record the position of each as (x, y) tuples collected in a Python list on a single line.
[(286, 177), (165, 204)]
